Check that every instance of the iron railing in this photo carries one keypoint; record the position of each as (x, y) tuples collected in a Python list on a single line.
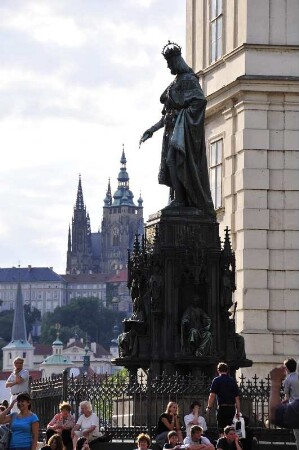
[(127, 405)]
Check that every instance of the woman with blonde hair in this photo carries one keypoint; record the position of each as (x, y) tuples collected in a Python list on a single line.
[(62, 424), (168, 421)]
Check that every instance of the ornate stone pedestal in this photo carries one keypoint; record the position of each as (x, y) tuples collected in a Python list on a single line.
[(184, 280)]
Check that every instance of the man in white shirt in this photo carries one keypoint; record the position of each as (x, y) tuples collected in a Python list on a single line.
[(196, 441), (18, 380), (87, 425), (194, 418)]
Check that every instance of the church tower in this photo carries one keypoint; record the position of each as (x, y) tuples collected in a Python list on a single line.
[(246, 55), (79, 253), (19, 345), (122, 219)]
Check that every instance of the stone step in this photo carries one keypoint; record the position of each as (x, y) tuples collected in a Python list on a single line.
[(262, 445)]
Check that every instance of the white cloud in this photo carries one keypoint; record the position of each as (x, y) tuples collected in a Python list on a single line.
[(38, 20), (142, 3), (57, 121)]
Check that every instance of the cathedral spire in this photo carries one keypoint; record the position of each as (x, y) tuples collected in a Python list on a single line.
[(123, 177), (123, 156), (79, 201), (69, 243), (79, 254), (123, 195), (108, 198), (140, 200)]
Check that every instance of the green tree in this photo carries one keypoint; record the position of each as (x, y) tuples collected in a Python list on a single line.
[(6, 321), (82, 316), (49, 332), (32, 315)]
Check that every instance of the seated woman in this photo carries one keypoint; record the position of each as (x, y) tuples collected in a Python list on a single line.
[(87, 425), (62, 423), (168, 421)]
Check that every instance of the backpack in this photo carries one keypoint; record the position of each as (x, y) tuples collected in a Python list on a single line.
[(5, 434)]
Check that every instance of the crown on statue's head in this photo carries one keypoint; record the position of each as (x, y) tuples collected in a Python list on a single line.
[(171, 49)]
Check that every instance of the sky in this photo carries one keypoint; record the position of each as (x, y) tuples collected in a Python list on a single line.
[(78, 80)]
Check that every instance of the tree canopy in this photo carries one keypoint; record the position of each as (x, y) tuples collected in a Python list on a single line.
[(83, 316), (6, 321)]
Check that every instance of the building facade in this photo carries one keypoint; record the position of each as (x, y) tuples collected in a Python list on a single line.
[(246, 54), (86, 285), (45, 290), (42, 288)]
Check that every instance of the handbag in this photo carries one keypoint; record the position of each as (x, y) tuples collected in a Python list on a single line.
[(240, 427), (5, 434)]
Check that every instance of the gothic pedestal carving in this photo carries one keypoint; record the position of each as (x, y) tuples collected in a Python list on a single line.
[(184, 280)]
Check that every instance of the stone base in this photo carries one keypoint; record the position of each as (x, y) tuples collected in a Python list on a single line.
[(182, 271)]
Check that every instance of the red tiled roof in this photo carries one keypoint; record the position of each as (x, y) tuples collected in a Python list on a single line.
[(75, 344), (85, 277), (122, 275), (42, 349)]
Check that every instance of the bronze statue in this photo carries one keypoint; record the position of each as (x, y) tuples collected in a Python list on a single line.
[(195, 330), (183, 161), (235, 343), (138, 313), (127, 343)]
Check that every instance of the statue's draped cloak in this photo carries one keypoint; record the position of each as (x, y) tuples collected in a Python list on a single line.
[(184, 113)]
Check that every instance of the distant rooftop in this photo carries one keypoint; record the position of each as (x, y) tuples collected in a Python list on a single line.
[(59, 360), (85, 277), (121, 276), (28, 274)]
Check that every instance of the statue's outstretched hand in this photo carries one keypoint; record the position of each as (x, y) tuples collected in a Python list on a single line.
[(146, 135)]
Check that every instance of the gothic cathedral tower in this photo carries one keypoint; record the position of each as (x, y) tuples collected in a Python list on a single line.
[(122, 219), (105, 251), (79, 252)]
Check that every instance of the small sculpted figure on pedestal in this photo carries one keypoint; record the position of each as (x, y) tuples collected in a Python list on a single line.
[(195, 330), (235, 342), (156, 287)]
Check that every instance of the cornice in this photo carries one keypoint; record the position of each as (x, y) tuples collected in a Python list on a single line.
[(241, 49), (258, 84)]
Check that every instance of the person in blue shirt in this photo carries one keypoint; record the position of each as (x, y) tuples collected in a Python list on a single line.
[(226, 390), (24, 425)]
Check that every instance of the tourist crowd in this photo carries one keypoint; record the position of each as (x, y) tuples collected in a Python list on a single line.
[(63, 433)]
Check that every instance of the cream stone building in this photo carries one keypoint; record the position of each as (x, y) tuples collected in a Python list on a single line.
[(246, 53)]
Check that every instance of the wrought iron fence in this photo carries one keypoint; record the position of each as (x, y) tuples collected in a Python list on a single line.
[(127, 405)]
